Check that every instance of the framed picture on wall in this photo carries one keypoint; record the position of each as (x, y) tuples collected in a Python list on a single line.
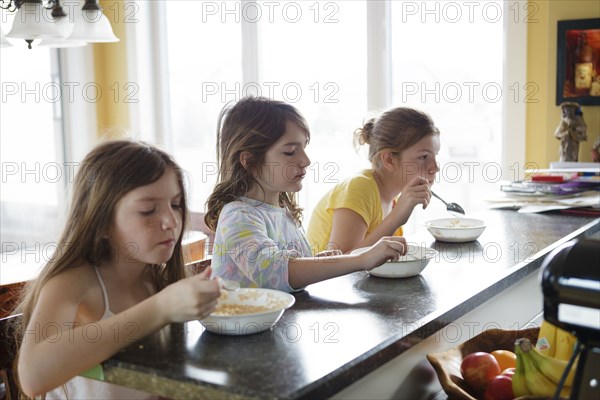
[(578, 61)]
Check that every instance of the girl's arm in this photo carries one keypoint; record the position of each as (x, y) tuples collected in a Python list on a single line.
[(349, 229), (304, 271), (54, 348)]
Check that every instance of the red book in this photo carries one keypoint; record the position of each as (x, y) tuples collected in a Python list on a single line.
[(553, 178)]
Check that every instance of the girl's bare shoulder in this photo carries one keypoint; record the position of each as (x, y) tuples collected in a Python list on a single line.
[(72, 295), (77, 280)]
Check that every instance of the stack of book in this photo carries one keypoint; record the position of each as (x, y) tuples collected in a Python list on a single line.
[(563, 186), (549, 182)]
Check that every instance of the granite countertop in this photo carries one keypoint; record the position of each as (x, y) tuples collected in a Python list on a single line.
[(341, 329)]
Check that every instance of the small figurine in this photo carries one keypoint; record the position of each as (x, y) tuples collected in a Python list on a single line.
[(596, 151), (595, 89), (570, 131)]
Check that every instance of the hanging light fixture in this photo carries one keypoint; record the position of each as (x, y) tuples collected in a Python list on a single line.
[(91, 25), (65, 26), (32, 21), (46, 20)]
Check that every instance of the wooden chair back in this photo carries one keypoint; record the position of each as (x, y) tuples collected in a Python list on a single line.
[(9, 295), (8, 352)]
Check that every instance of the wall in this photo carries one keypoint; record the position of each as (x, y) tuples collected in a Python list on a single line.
[(110, 65), (544, 116)]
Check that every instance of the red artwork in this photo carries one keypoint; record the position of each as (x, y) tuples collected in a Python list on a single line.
[(579, 61)]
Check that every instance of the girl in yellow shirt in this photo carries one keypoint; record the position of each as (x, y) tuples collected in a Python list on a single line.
[(403, 145)]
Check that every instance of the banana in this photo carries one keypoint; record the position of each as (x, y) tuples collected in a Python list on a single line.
[(519, 386), (564, 344), (546, 342), (537, 383), (552, 367)]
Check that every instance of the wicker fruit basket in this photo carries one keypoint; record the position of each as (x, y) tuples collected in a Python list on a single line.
[(447, 364)]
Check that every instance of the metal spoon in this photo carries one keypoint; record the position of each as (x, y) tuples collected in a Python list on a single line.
[(453, 207)]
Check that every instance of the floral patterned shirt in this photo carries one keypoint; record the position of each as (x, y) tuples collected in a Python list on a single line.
[(254, 242)]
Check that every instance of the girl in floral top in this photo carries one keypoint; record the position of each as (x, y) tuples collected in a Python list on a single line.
[(258, 237)]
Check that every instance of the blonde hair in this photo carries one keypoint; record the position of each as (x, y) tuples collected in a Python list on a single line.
[(107, 173), (252, 125), (396, 129)]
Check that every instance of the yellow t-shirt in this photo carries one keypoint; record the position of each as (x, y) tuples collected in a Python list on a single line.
[(359, 194)]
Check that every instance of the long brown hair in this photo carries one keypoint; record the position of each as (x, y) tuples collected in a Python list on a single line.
[(107, 173), (396, 129), (253, 125)]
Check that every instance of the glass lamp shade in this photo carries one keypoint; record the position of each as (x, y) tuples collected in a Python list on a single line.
[(92, 26), (3, 41), (33, 21), (61, 43), (65, 26)]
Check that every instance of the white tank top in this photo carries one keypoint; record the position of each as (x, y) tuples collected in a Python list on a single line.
[(107, 312), (91, 389)]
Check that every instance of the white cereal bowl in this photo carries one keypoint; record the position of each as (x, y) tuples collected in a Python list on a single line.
[(456, 230), (411, 264), (263, 308)]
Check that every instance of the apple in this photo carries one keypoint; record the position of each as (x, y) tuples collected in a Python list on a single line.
[(478, 369), (500, 388), (509, 372)]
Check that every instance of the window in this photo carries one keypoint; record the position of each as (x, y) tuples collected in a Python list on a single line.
[(294, 39), (31, 150), (448, 61), (205, 72), (314, 56)]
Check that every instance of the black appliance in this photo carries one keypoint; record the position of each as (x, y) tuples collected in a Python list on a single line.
[(570, 278)]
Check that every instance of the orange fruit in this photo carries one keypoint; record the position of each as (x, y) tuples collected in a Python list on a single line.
[(505, 358)]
